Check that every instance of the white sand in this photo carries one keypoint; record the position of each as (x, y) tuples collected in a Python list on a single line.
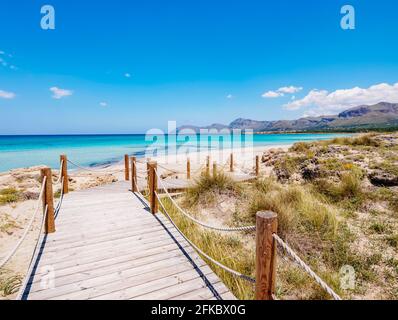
[(244, 159)]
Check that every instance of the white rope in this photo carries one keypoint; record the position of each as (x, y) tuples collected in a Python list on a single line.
[(233, 272), (245, 228), (138, 190), (61, 197), (306, 268), (171, 170), (34, 256), (60, 173), (94, 171), (17, 245)]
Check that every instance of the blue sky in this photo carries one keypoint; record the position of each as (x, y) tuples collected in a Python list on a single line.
[(127, 66)]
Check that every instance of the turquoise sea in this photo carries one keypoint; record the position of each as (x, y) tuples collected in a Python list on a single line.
[(94, 150)]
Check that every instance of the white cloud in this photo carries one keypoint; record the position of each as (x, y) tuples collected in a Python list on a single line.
[(282, 91), (127, 75), (103, 104), (272, 94), (59, 93), (323, 102), (7, 95), (290, 90)]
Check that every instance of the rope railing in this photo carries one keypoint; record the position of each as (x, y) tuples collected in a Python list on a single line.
[(261, 217), (219, 264), (305, 267), (18, 244), (34, 256), (61, 198), (170, 170), (100, 171), (139, 192), (205, 225), (59, 173)]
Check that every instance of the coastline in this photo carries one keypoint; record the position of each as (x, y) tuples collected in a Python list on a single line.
[(99, 150)]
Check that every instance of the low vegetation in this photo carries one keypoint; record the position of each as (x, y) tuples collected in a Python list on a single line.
[(337, 205), (208, 187), (227, 249), (9, 195), (9, 283)]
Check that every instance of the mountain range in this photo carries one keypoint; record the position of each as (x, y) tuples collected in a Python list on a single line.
[(381, 115)]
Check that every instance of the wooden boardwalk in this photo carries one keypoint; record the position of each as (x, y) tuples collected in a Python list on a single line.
[(107, 245)]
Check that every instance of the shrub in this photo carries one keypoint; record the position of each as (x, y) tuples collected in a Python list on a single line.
[(378, 227), (349, 188), (300, 147), (9, 195), (209, 186), (362, 140), (297, 208)]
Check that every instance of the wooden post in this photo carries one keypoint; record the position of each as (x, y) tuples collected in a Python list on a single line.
[(126, 168), (48, 200), (231, 163), (188, 168), (134, 186), (257, 166), (64, 173), (153, 186), (266, 226), (214, 169), (208, 165)]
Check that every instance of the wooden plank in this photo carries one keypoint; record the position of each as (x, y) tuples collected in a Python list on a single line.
[(119, 275), (202, 293), (113, 283), (125, 292), (89, 270), (92, 257), (159, 239), (179, 288), (82, 239)]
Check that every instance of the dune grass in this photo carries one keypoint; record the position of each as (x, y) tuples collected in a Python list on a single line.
[(298, 209), (225, 248), (9, 284), (300, 215), (207, 187)]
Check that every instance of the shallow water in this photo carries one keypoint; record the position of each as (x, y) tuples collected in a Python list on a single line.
[(91, 150)]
